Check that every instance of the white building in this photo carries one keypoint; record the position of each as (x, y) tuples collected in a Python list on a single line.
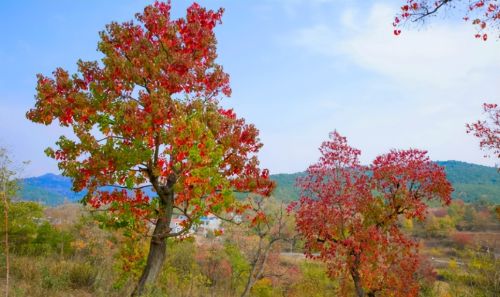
[(210, 222)]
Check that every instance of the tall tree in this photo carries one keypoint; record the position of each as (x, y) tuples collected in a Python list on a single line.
[(8, 188), (148, 116), (348, 214), (6, 184), (483, 14), (488, 131)]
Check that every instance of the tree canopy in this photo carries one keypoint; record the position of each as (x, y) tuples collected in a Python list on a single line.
[(148, 115), (348, 214)]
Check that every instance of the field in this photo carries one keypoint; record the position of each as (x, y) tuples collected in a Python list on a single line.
[(65, 253)]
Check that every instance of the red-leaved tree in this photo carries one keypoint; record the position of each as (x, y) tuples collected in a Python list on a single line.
[(147, 116), (348, 215), (488, 131), (483, 14)]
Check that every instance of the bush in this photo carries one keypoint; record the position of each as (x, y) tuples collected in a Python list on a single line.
[(462, 240), (263, 288), (53, 279), (314, 282), (82, 275), (25, 268)]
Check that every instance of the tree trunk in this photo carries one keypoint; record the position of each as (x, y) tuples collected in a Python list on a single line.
[(255, 262), (156, 257), (158, 244), (260, 270), (6, 214), (258, 267), (357, 283), (248, 285), (356, 278)]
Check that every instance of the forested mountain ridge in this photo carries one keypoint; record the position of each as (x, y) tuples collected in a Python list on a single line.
[(471, 182)]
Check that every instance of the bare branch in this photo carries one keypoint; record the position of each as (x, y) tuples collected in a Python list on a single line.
[(112, 137), (429, 12), (183, 231), (127, 188), (229, 220)]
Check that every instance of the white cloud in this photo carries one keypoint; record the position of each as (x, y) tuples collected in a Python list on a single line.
[(444, 55), (439, 56), (430, 81)]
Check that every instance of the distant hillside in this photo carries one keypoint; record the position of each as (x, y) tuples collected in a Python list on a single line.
[(49, 189), (286, 190), (471, 182)]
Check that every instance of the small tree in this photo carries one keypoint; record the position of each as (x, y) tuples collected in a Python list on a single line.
[(8, 185), (271, 227), (483, 14), (148, 116), (348, 214)]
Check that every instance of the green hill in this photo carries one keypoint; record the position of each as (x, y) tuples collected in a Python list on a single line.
[(49, 189), (471, 182), (285, 186)]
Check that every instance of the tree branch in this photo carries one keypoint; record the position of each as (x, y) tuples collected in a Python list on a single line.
[(113, 136), (429, 12), (127, 188)]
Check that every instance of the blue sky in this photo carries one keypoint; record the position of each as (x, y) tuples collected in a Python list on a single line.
[(299, 69)]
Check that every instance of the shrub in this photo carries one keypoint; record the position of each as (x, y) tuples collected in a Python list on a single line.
[(263, 288), (82, 275), (462, 240), (51, 279)]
